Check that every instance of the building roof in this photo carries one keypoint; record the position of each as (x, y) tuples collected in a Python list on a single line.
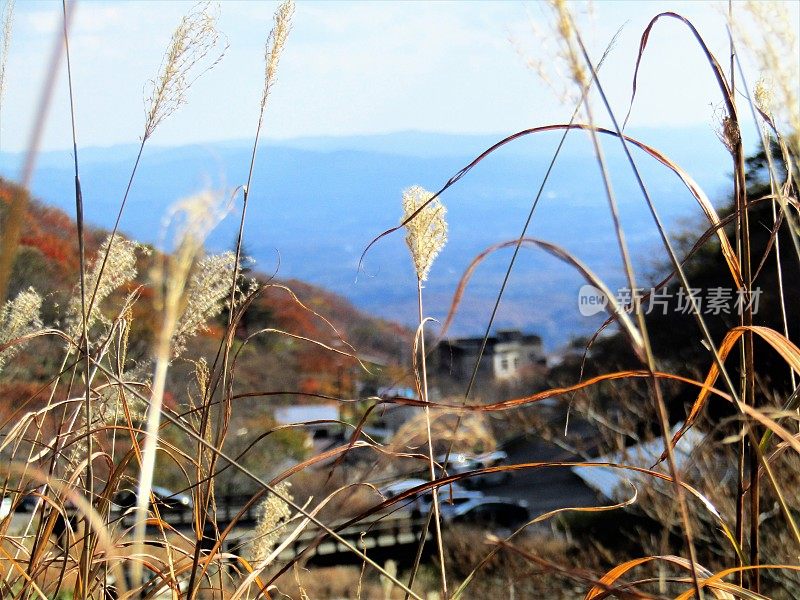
[(608, 481), (502, 336), (305, 413)]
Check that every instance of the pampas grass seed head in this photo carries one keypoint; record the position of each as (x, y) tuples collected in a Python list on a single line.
[(762, 94), (18, 317), (119, 270), (274, 47), (773, 43), (206, 295), (272, 516), (192, 51), (427, 232)]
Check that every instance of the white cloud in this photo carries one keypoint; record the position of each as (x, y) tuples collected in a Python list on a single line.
[(102, 19), (40, 22)]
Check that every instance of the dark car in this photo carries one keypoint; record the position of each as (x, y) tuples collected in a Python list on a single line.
[(165, 499), (28, 502), (489, 511)]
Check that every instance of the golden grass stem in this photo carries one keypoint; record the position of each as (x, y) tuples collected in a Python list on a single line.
[(424, 397), (276, 40), (644, 351), (88, 544)]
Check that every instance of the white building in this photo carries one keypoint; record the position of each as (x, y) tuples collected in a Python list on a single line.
[(508, 355)]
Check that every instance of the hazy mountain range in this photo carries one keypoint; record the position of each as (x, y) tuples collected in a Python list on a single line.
[(317, 202)]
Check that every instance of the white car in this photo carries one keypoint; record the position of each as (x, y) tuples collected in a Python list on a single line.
[(449, 495), (459, 463), (491, 459), (5, 507), (398, 487)]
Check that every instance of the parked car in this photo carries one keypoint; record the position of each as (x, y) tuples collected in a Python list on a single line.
[(28, 501), (398, 487), (450, 495), (489, 511), (165, 499), (463, 463), (491, 459)]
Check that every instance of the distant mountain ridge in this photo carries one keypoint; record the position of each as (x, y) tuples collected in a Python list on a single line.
[(317, 202)]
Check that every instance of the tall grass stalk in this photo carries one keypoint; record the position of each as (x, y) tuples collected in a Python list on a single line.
[(193, 50), (195, 216), (426, 236), (756, 456), (754, 488), (496, 307), (779, 200), (572, 37), (747, 451), (275, 44), (89, 483), (678, 269), (777, 192)]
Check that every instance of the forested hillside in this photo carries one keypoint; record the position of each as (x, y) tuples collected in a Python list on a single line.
[(48, 262)]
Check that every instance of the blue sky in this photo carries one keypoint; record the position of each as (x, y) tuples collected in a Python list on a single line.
[(351, 68)]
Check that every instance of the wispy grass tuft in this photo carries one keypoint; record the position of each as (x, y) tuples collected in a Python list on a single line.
[(196, 47), (18, 317), (206, 297), (772, 42), (270, 524), (276, 42), (113, 268), (427, 231)]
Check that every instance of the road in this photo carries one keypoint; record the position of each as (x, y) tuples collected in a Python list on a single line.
[(544, 489)]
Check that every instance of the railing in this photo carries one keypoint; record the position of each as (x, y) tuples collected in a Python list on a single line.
[(399, 528)]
